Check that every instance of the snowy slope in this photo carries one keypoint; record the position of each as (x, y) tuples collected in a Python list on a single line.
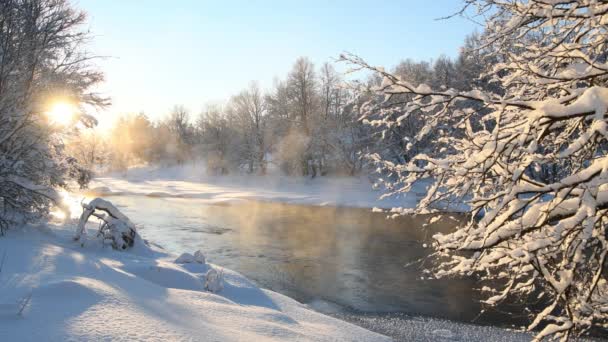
[(189, 181), (93, 293)]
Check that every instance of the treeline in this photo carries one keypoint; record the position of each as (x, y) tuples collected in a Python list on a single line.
[(308, 124)]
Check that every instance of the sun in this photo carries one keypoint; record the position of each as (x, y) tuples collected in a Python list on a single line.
[(62, 113)]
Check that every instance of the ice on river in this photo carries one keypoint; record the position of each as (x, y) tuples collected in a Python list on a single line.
[(403, 327)]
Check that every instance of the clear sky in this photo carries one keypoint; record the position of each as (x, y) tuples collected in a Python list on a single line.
[(194, 52)]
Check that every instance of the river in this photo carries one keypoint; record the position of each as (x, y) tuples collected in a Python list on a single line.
[(347, 262)]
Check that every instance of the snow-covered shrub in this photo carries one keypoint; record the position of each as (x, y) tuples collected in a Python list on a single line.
[(187, 258), (115, 226), (41, 61), (528, 157), (214, 280)]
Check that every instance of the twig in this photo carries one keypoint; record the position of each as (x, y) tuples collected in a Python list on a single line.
[(2, 261), (24, 302)]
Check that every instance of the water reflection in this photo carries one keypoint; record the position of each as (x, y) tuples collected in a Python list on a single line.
[(351, 257)]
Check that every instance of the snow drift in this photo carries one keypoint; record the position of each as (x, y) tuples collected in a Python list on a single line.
[(96, 293)]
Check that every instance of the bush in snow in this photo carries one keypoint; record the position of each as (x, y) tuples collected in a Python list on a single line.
[(529, 158), (187, 258), (214, 280), (41, 61), (115, 226)]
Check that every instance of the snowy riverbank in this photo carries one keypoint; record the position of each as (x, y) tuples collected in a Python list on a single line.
[(189, 181), (52, 288), (66, 291)]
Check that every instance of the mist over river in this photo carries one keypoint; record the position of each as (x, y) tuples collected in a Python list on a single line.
[(347, 262)]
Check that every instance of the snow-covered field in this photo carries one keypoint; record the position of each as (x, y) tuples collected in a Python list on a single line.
[(54, 289), (189, 181)]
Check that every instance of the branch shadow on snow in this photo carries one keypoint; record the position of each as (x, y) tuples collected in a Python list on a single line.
[(69, 282)]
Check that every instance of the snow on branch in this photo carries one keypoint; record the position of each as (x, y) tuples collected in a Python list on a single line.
[(115, 227), (527, 154), (41, 61)]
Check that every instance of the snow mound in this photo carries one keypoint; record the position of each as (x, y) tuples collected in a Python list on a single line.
[(167, 275), (214, 281), (187, 258)]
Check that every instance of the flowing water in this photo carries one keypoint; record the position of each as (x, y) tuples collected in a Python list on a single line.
[(352, 263)]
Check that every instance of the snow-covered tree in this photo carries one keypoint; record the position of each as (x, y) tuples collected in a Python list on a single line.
[(216, 139), (302, 89), (115, 227), (181, 134), (249, 111), (341, 135), (528, 236), (444, 73), (470, 64), (89, 148), (134, 139), (41, 61)]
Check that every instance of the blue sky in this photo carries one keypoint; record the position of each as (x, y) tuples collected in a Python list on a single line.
[(194, 52)]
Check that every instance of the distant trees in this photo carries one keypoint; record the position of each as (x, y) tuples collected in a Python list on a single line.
[(302, 92), (249, 111), (311, 123), (129, 141), (41, 61), (217, 140), (524, 145), (89, 148), (304, 126), (444, 73), (181, 135)]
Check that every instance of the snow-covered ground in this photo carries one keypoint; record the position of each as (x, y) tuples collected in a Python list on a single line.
[(189, 181), (54, 289)]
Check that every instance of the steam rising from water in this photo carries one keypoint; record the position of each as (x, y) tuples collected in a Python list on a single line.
[(352, 257)]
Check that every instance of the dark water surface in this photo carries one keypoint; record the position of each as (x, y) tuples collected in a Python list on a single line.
[(334, 259)]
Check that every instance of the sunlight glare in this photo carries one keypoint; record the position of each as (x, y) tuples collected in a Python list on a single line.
[(70, 206), (62, 113)]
